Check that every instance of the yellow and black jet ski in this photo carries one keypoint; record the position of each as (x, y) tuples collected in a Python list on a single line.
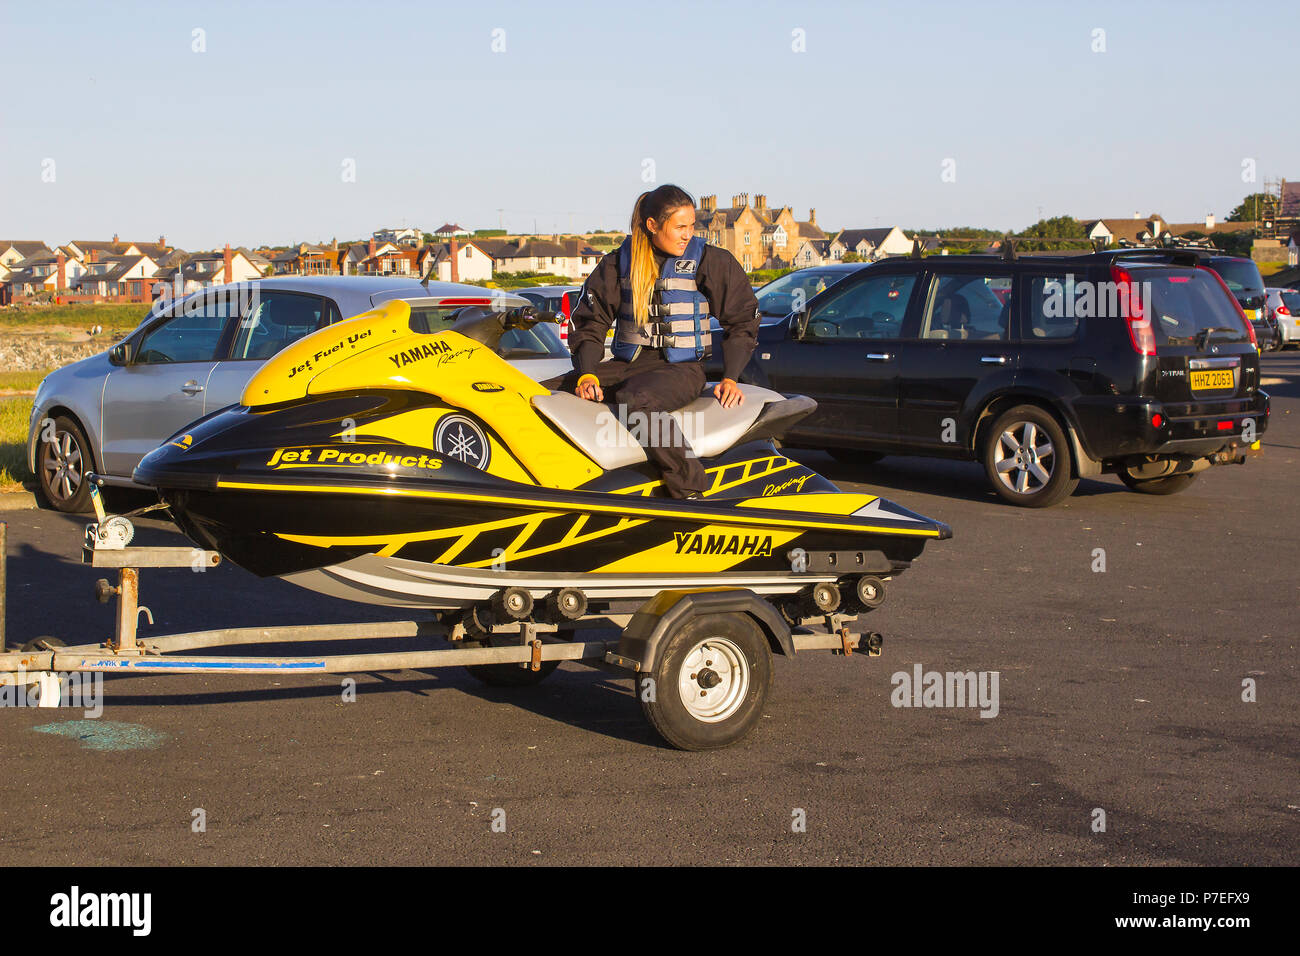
[(394, 467)]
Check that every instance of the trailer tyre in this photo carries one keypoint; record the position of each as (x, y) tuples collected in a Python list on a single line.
[(709, 683)]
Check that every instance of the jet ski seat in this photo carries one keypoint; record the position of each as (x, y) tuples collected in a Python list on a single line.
[(709, 428)]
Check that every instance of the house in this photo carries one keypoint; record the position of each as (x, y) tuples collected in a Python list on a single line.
[(117, 247), (1138, 230), (405, 236), (449, 230), (472, 261), (130, 276), (306, 259), (14, 251), (203, 269), (758, 236), (389, 259), (870, 244), (572, 258), (812, 252)]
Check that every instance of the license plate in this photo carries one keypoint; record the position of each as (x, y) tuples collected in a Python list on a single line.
[(1252, 314), (1213, 379)]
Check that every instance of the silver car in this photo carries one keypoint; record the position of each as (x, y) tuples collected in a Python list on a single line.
[(194, 355), (1283, 308)]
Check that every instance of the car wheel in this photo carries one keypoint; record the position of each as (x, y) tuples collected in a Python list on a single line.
[(855, 456), (1027, 458), (1170, 485), (61, 466)]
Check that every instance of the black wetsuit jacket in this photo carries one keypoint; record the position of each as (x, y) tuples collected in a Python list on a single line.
[(721, 280)]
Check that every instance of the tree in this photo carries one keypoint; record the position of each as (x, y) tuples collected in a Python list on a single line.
[(1250, 209), (1058, 227)]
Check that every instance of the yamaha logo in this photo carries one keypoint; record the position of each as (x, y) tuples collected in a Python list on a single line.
[(685, 265), (460, 438)]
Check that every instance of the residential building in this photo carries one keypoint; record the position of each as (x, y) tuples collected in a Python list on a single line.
[(870, 244), (758, 236), (450, 230), (473, 263), (403, 236)]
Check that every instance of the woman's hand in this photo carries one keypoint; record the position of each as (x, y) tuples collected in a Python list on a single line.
[(728, 393), (589, 388)]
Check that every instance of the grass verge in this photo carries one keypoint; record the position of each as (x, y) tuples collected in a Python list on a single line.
[(112, 316), (14, 413)]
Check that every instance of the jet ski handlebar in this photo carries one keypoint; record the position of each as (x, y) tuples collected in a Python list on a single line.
[(488, 325)]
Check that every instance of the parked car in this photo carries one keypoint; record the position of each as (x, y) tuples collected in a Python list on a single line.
[(189, 357), (1137, 362), (780, 296), (1247, 286), (1283, 307)]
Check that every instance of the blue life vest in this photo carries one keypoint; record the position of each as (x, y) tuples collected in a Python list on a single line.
[(679, 313)]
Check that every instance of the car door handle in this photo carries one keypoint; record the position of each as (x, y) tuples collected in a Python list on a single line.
[(191, 388), (879, 356), (994, 360)]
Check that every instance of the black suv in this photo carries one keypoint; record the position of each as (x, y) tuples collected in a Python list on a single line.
[(1047, 369)]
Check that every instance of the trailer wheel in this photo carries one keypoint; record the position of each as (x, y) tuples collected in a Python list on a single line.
[(709, 682)]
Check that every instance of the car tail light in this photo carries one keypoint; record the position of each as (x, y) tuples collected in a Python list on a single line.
[(1250, 329), (1157, 419), (1283, 310), (1134, 310), (1225, 426)]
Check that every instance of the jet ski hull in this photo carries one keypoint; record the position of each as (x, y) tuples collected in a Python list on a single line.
[(410, 497)]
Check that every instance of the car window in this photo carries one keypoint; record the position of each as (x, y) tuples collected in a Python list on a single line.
[(967, 306), (1183, 303), (1052, 305), (274, 320), (191, 335), (791, 291), (1241, 276), (873, 308), (1292, 301), (542, 340)]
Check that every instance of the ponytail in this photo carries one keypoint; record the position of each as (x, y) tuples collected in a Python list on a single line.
[(657, 204)]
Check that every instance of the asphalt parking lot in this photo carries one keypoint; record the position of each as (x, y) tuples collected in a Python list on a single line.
[(1119, 690)]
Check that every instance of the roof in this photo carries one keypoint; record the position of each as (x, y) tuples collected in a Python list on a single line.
[(26, 246), (1290, 207), (850, 238), (449, 227), (810, 231)]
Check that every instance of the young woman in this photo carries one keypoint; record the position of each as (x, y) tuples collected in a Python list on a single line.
[(658, 290)]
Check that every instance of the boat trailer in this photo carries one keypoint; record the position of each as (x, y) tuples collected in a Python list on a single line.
[(701, 658)]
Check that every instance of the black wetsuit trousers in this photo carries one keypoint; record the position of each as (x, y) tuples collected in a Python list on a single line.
[(642, 387)]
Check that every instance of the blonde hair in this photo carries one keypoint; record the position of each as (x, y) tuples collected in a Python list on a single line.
[(657, 204)]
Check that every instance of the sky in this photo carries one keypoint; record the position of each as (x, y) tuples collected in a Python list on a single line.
[(272, 123)]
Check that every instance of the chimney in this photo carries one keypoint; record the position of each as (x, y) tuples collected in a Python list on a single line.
[(812, 216), (744, 199), (735, 201), (760, 202), (61, 263), (371, 247), (708, 203), (1136, 214), (114, 238), (162, 243), (455, 271), (229, 264), (1209, 220)]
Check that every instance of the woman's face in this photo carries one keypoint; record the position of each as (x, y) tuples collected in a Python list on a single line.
[(672, 235)]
